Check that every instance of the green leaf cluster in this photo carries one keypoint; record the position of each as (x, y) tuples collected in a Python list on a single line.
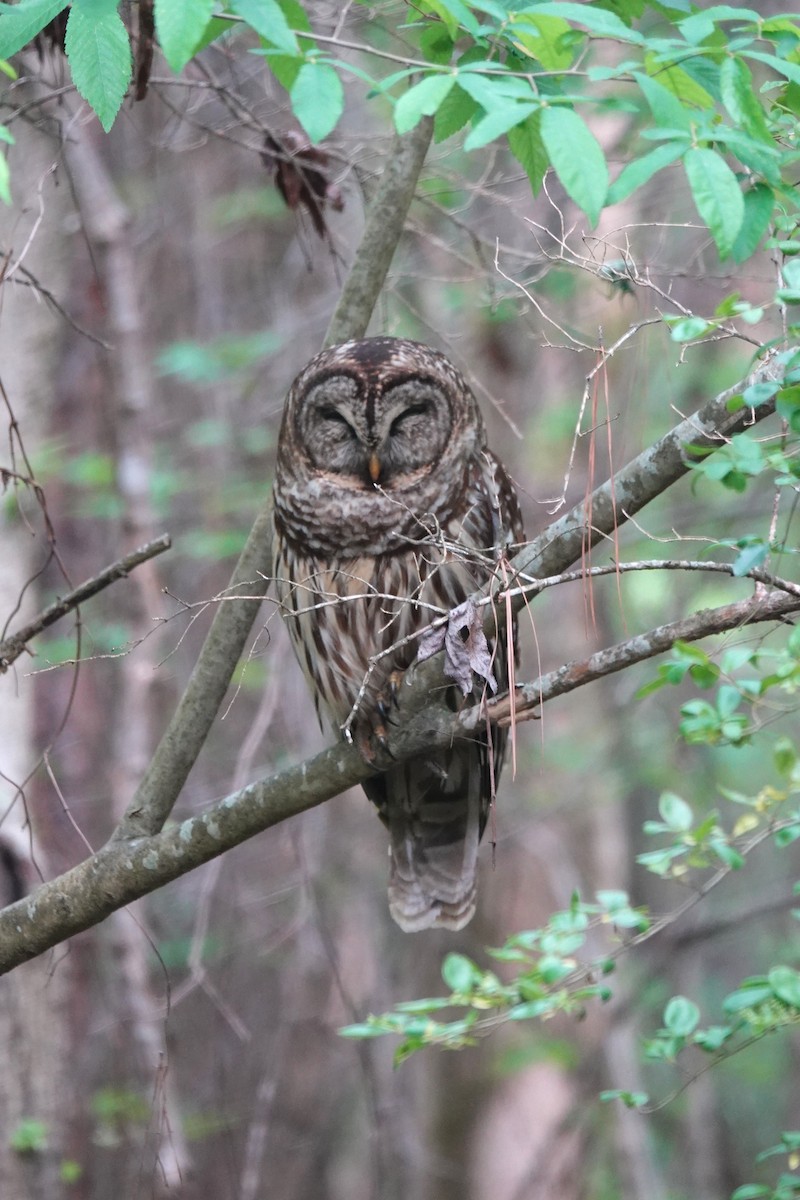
[(759, 1005), (548, 979), (769, 670), (716, 91)]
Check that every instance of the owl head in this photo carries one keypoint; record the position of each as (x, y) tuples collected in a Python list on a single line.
[(381, 413)]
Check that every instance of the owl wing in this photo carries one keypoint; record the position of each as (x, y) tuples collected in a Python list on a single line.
[(436, 807)]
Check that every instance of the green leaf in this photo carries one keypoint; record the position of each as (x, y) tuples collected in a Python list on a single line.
[(525, 143), (493, 90), (749, 558), (5, 180), (785, 983), (787, 406), (499, 121), (636, 173), (712, 1039), (421, 100), (460, 973), (179, 27), (456, 109), (718, 197), (681, 1016), (361, 1031), (785, 755), (629, 1099), (266, 17), (317, 99), (701, 25), (675, 812), (215, 29), (738, 96), (688, 329), (22, 22), (99, 56), (547, 45), (598, 21), (576, 158), (436, 45), (759, 204), (725, 853), (454, 14), (789, 70), (683, 87), (667, 110)]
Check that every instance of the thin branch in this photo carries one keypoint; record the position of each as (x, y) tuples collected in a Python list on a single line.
[(769, 607), (123, 871), (12, 647), (384, 226)]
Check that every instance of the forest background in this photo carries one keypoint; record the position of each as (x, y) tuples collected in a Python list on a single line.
[(603, 239)]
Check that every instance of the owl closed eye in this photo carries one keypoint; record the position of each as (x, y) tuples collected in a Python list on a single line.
[(378, 437)]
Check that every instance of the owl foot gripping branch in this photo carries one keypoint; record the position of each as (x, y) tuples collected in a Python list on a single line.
[(389, 512)]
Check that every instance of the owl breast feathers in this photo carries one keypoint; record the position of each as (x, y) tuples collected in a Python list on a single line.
[(389, 511)]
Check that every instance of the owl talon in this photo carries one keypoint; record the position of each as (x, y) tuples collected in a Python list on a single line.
[(395, 680)]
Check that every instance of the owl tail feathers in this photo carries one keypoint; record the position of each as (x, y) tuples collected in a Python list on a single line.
[(434, 831), (421, 899)]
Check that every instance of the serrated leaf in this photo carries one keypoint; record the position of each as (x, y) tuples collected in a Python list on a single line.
[(317, 99), (99, 56), (456, 109), (18, 25), (421, 100), (636, 173), (716, 192), (179, 27), (266, 17), (525, 143), (738, 96), (576, 158)]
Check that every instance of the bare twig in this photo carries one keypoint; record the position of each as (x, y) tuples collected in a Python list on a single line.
[(12, 647), (771, 607)]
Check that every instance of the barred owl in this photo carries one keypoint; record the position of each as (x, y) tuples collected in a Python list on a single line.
[(389, 509)]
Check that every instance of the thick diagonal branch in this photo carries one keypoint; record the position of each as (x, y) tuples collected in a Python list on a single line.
[(123, 871)]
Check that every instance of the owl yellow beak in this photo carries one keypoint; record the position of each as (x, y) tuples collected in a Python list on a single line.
[(374, 467)]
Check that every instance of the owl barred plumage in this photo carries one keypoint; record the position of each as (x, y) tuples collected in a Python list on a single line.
[(389, 510)]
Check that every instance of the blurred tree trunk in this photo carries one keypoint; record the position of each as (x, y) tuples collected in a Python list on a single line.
[(35, 1092)]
